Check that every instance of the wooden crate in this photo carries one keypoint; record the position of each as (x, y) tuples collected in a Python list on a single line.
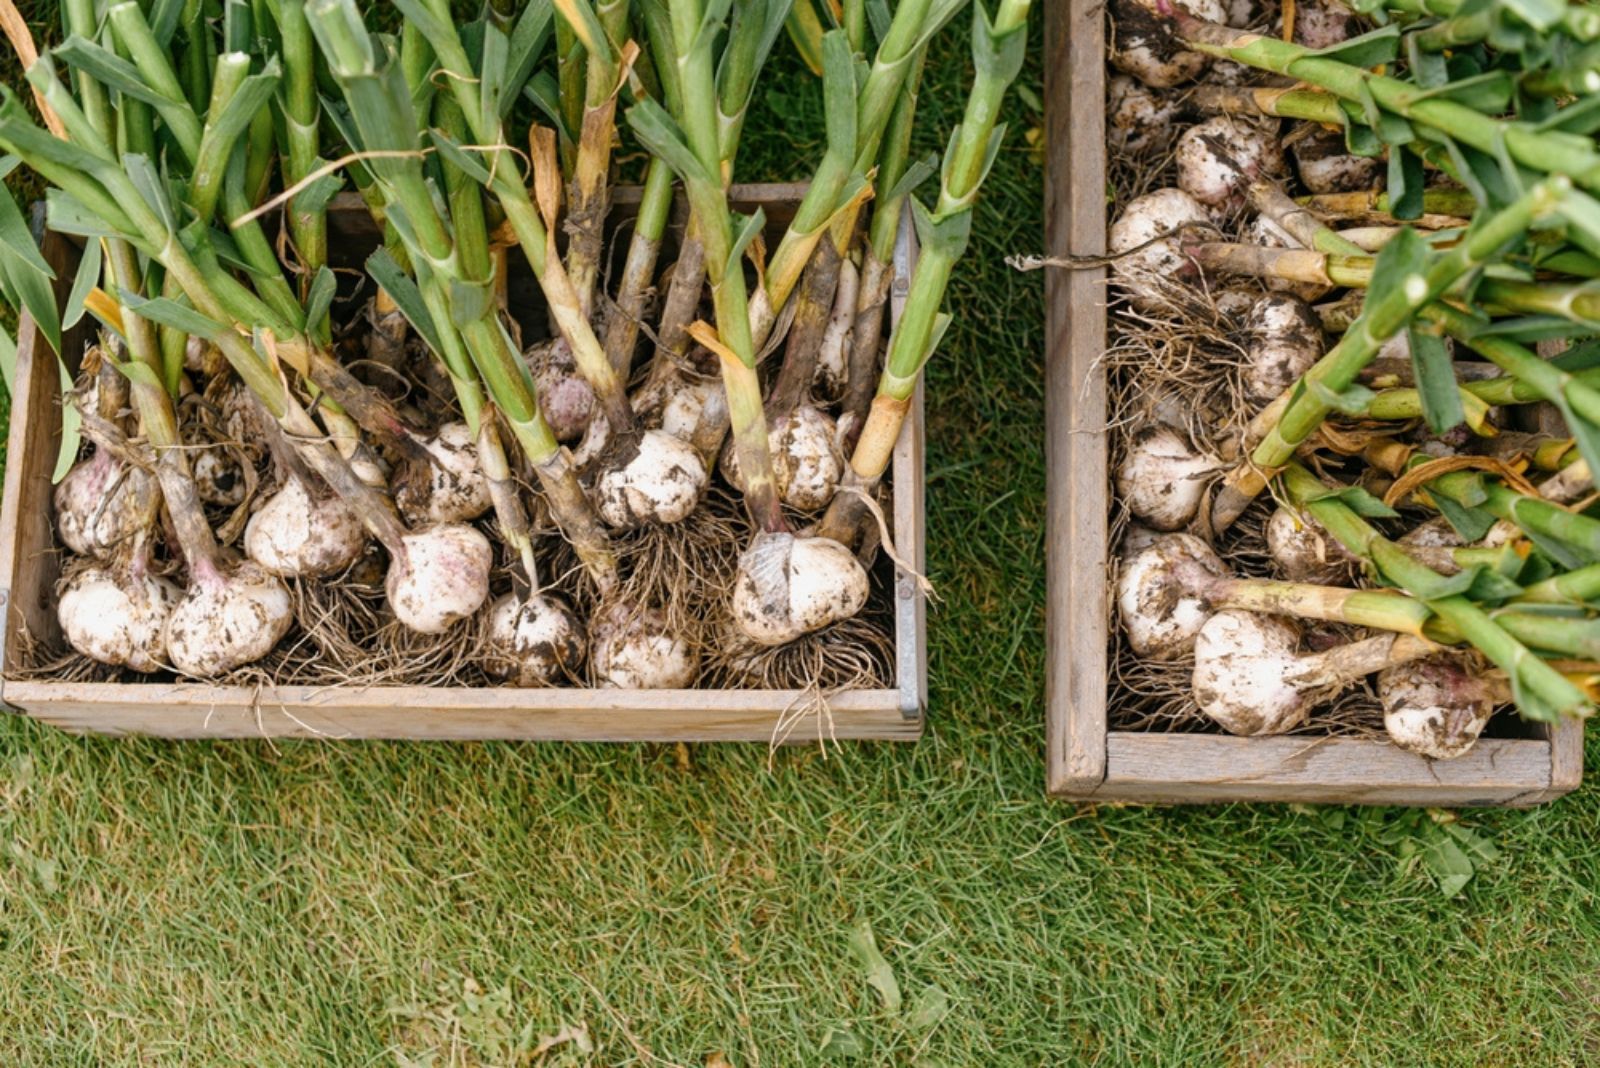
[(29, 565), (1087, 760)]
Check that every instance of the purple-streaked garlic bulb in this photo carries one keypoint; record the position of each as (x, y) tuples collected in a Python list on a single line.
[(565, 396), (296, 533), (1219, 158), (1437, 706), (231, 615), (1144, 45), (102, 503), (441, 579), (1324, 23)]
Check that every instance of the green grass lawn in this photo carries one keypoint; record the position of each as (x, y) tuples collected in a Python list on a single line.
[(379, 904)]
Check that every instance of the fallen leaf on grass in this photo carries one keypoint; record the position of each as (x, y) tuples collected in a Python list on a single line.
[(577, 1035), (844, 1044), (879, 975), (929, 1007)]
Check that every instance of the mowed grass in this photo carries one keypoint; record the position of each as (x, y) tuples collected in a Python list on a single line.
[(247, 903)]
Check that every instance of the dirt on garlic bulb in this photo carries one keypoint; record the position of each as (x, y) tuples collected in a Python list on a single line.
[(1436, 707), (1284, 338), (788, 586), (1146, 245), (1162, 479), (634, 648)]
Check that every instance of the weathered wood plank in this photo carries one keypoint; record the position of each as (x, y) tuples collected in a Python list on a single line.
[(172, 710), (1187, 768), (29, 565), (1075, 685)]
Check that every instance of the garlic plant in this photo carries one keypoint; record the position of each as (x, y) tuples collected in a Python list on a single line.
[(1392, 214), (284, 439)]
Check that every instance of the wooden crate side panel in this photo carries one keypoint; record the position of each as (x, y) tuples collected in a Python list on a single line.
[(911, 606), (1075, 686), (28, 565), (1179, 768), (193, 711)]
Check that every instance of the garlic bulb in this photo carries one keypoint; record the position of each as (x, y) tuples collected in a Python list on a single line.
[(1326, 167), (1219, 158), (1284, 340), (1146, 243), (1145, 46), (1162, 479), (451, 487), (442, 579), (661, 483), (1138, 119), (1244, 674), (118, 616), (633, 648), (788, 586), (101, 503), (1159, 597), (806, 461), (230, 616), (533, 642), (565, 396), (1436, 706), (294, 533), (1302, 551)]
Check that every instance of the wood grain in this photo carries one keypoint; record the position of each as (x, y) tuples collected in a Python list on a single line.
[(191, 710), (1075, 445), (1187, 768), (1084, 760), (28, 568)]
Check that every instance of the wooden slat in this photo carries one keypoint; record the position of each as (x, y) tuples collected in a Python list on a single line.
[(189, 710), (1075, 684), (28, 565), (176, 710), (1085, 761), (911, 608), (1187, 768)]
